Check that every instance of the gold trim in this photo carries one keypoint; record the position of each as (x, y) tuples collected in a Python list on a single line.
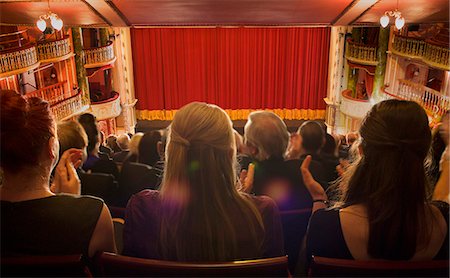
[(57, 59), (239, 114)]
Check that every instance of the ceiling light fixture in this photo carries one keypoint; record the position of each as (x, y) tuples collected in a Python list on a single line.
[(399, 19), (55, 21)]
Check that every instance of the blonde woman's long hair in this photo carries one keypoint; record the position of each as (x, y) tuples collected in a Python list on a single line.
[(199, 188)]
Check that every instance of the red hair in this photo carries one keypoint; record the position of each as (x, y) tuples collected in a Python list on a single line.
[(26, 127)]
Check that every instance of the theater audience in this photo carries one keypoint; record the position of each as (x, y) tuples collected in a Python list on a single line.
[(72, 135), (37, 220), (94, 163), (198, 215), (123, 141), (133, 147), (384, 212), (103, 148)]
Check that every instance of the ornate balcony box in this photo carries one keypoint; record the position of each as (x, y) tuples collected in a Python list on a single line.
[(99, 56), (107, 109), (353, 107), (69, 107), (55, 50), (361, 54), (18, 60), (434, 55)]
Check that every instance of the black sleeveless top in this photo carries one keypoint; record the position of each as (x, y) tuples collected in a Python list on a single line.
[(325, 237), (55, 225)]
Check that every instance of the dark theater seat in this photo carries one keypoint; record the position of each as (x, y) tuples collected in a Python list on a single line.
[(108, 265)]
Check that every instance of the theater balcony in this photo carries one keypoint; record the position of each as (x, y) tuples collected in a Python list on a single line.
[(65, 102), (431, 53), (354, 107), (18, 60), (108, 108), (54, 50), (434, 102), (96, 57), (361, 53)]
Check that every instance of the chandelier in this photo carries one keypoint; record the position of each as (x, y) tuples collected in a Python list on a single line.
[(399, 19), (55, 21)]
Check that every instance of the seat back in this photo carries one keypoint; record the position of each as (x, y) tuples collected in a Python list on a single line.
[(44, 266), (135, 177), (321, 266), (100, 185), (108, 264), (294, 224), (119, 224)]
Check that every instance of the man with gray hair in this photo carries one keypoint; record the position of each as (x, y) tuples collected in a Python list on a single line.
[(123, 142), (267, 138)]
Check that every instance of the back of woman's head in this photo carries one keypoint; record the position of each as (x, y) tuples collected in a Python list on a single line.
[(148, 147), (134, 143), (200, 151), (26, 127), (389, 178), (198, 187)]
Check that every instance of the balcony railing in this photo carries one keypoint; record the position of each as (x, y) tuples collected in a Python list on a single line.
[(99, 56), (434, 102), (433, 55), (53, 93), (14, 60), (68, 107), (361, 53), (49, 50), (107, 109)]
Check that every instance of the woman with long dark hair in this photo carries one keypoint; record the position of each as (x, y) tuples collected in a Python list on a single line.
[(384, 211)]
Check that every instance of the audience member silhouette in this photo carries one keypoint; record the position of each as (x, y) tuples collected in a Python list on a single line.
[(35, 218)]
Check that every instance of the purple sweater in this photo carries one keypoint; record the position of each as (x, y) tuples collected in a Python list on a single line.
[(142, 228)]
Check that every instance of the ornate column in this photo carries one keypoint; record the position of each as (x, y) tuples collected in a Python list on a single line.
[(104, 36), (353, 73), (380, 70), (124, 80), (77, 38)]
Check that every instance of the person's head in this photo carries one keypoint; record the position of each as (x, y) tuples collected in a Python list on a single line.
[(265, 135), (123, 141), (72, 135), (89, 124), (28, 135), (312, 137), (330, 147), (389, 178), (150, 148), (111, 142), (134, 143), (199, 184)]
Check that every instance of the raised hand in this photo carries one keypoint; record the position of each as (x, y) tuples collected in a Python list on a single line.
[(66, 179), (314, 188)]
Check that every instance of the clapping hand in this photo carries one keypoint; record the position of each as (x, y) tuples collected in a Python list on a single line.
[(66, 179)]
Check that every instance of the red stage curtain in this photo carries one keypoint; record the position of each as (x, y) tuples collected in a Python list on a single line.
[(235, 68)]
